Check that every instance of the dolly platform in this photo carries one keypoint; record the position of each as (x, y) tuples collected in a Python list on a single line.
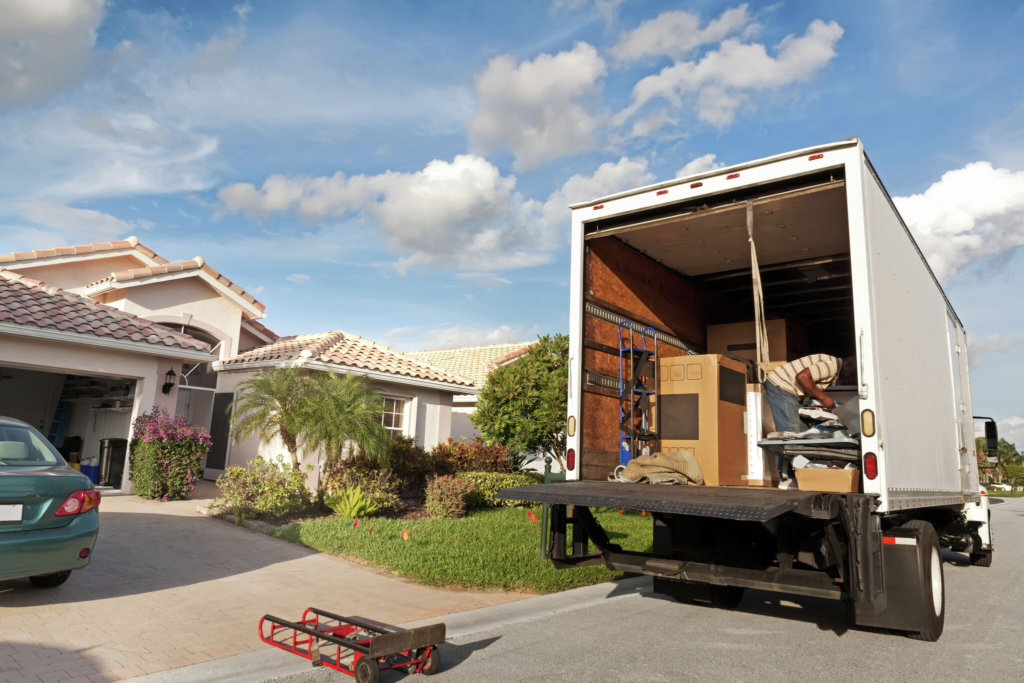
[(362, 647)]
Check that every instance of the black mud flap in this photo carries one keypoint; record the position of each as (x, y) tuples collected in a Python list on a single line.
[(904, 608)]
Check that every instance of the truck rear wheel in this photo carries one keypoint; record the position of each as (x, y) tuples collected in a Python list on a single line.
[(931, 582)]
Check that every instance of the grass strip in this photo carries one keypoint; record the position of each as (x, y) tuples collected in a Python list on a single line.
[(491, 549)]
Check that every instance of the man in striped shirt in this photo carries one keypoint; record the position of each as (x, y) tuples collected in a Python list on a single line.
[(807, 377)]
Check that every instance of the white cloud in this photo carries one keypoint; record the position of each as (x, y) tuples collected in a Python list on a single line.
[(969, 214), (219, 51), (981, 348), (257, 290), (79, 225), (721, 81), (299, 278), (540, 109), (400, 332), (609, 178), (701, 164), (463, 335), (485, 280), (44, 46), (462, 213), (677, 33)]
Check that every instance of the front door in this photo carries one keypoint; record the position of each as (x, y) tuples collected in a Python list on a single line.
[(220, 434)]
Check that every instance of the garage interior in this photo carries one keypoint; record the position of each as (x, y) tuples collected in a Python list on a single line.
[(86, 418)]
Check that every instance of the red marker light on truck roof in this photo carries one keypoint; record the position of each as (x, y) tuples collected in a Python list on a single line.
[(662, 191), (570, 459), (870, 465), (732, 175), (599, 206), (693, 185), (815, 156)]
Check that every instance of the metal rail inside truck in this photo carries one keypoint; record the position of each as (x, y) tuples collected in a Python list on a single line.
[(663, 298)]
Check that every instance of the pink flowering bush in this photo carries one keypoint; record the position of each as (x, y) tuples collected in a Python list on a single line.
[(166, 455)]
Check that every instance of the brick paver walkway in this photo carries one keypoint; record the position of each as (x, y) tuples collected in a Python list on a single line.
[(168, 588)]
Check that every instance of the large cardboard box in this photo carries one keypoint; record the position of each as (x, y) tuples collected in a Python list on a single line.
[(828, 480), (701, 405), (787, 340)]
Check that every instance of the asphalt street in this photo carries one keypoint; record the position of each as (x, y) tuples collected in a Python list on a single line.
[(769, 637)]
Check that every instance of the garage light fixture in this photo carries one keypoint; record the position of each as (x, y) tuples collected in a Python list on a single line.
[(169, 381)]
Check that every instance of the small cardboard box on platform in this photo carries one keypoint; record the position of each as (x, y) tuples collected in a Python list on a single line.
[(827, 480)]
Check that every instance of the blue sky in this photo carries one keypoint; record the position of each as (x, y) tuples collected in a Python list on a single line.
[(400, 170)]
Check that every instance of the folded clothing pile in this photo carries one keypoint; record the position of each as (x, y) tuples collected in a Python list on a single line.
[(679, 467), (824, 423)]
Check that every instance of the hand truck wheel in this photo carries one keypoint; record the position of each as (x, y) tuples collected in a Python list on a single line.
[(367, 670), (433, 663)]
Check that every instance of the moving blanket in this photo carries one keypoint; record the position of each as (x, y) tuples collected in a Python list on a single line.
[(679, 467)]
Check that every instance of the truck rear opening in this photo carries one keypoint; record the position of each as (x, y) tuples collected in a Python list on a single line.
[(663, 345)]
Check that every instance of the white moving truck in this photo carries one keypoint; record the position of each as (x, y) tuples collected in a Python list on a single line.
[(841, 272)]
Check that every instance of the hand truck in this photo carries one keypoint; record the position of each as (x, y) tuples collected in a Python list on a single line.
[(373, 646)]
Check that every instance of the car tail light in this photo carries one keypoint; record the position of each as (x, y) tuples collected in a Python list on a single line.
[(570, 459), (79, 502), (870, 465)]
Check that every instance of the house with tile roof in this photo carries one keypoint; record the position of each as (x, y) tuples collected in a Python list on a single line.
[(474, 363), (209, 330)]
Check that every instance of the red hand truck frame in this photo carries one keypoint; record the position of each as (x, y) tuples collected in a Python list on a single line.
[(375, 646)]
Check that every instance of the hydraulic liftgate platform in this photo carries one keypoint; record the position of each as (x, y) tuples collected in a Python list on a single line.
[(358, 647)]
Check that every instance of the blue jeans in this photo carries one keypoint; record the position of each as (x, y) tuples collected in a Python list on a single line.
[(785, 409)]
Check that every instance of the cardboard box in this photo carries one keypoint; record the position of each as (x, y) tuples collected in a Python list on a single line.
[(787, 340), (828, 480), (701, 404)]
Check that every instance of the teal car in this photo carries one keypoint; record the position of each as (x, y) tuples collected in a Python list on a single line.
[(49, 516)]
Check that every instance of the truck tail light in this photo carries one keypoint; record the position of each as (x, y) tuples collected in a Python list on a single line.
[(570, 459), (870, 465), (79, 502), (867, 423)]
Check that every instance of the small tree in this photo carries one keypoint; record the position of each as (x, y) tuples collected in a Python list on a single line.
[(523, 404), (310, 410)]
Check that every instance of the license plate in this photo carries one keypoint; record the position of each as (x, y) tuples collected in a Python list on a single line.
[(10, 513)]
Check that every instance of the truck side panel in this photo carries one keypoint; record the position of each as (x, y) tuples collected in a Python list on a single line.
[(917, 429)]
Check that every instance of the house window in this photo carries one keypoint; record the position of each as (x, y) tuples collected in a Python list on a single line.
[(394, 416)]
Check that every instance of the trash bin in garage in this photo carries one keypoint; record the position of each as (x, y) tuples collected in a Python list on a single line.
[(113, 453)]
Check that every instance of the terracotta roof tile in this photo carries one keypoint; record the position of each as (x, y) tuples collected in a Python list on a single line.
[(163, 265), (349, 350), (25, 301), (474, 362)]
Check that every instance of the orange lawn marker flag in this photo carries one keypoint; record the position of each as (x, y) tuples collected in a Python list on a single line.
[(355, 523), (405, 535), (532, 517), (370, 530)]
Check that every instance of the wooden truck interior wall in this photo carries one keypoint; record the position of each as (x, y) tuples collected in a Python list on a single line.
[(681, 273)]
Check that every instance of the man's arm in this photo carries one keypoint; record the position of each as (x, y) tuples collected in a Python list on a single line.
[(806, 382)]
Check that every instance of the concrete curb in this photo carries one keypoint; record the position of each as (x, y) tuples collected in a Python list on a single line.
[(270, 663)]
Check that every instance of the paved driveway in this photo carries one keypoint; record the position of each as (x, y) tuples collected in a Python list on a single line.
[(168, 588)]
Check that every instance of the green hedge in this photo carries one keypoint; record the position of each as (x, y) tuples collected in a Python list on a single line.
[(487, 485)]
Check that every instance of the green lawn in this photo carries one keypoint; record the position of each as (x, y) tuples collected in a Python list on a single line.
[(494, 549), (996, 493)]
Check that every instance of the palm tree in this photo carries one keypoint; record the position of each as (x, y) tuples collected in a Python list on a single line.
[(310, 410)]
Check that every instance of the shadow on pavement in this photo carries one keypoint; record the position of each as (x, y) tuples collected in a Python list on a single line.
[(24, 661)]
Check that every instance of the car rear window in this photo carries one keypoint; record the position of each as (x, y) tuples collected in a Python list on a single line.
[(23, 446)]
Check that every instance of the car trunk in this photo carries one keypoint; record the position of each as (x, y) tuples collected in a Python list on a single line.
[(684, 271), (40, 491)]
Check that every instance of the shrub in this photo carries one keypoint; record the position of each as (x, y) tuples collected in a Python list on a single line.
[(446, 496), (454, 456), (351, 503), (487, 484), (378, 487), (166, 455), (407, 464), (410, 464), (264, 489)]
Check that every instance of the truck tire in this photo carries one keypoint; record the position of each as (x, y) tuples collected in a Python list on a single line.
[(726, 597), (931, 581)]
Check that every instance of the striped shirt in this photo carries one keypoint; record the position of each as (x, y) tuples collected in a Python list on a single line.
[(824, 373)]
